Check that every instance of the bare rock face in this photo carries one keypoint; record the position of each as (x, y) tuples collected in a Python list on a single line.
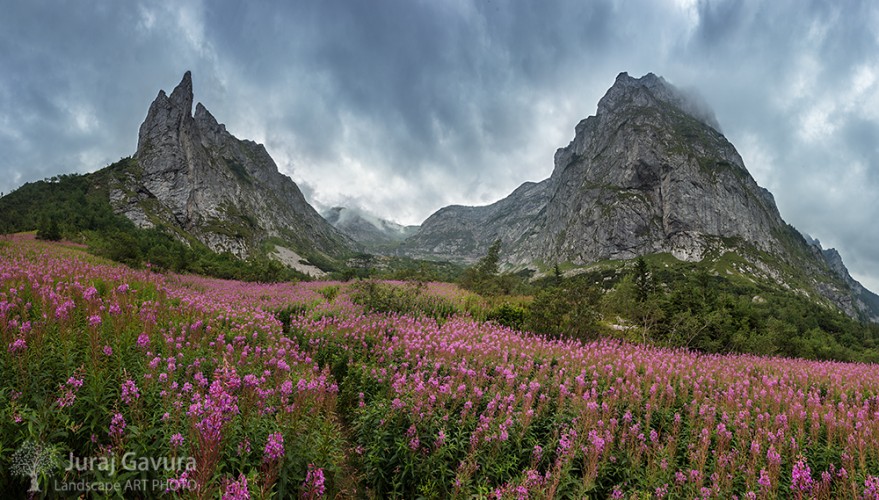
[(196, 178), (646, 176), (649, 173), (463, 234), (862, 300)]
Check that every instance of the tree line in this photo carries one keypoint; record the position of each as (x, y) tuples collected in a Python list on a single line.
[(680, 305)]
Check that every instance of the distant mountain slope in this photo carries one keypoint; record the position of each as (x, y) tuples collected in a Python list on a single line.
[(373, 232), (865, 300), (649, 173), (196, 179), (463, 234)]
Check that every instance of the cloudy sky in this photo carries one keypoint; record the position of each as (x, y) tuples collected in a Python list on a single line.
[(401, 107)]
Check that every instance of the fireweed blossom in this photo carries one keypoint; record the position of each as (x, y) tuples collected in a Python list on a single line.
[(314, 482), (69, 390), (801, 478), (18, 345), (176, 440), (274, 449), (212, 357), (764, 481), (117, 425), (236, 490), (143, 340), (129, 391), (871, 487)]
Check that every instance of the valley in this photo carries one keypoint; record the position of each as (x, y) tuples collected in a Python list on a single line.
[(643, 323)]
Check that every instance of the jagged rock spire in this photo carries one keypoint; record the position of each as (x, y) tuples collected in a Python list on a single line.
[(182, 95), (225, 192), (166, 118)]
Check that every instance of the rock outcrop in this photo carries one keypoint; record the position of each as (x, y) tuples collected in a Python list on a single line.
[(195, 179)]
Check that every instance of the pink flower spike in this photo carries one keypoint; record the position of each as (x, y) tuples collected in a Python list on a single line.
[(176, 440), (274, 449), (117, 425)]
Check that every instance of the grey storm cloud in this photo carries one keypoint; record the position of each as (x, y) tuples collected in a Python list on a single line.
[(402, 107)]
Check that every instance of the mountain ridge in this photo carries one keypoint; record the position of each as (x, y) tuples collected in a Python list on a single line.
[(649, 173), (371, 231)]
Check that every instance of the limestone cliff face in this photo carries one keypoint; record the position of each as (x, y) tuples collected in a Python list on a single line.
[(645, 176), (463, 234), (195, 177), (649, 173)]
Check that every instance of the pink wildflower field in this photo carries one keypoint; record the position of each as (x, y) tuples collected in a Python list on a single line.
[(295, 390)]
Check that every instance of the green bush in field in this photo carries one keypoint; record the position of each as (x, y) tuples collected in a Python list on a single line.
[(409, 298)]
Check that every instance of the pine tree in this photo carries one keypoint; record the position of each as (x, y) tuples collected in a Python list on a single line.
[(488, 265), (643, 280)]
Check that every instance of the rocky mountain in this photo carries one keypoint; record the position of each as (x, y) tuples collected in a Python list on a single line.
[(373, 232), (649, 173), (197, 180), (863, 299), (463, 234)]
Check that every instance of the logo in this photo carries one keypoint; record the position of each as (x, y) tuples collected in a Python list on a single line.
[(33, 459)]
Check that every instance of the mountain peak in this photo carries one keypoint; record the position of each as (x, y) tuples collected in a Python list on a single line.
[(202, 114), (370, 230), (182, 94), (650, 79), (649, 173), (650, 91), (208, 125), (166, 117), (225, 192)]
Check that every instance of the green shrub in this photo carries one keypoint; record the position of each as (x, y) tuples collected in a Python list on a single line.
[(329, 292), (565, 311), (509, 315)]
